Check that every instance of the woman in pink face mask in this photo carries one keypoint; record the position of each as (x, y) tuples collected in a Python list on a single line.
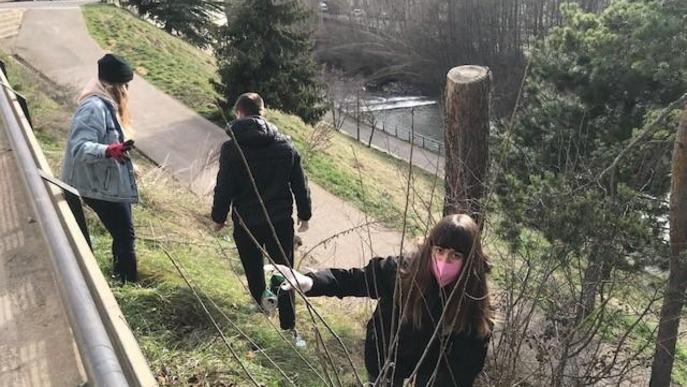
[(433, 321)]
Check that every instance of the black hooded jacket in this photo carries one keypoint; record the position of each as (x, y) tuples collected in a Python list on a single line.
[(276, 167), (464, 354)]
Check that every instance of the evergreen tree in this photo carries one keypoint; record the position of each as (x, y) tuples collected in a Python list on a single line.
[(266, 48), (595, 83), (193, 20)]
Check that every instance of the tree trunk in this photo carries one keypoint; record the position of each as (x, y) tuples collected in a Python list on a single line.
[(332, 107), (372, 133), (674, 298), (596, 273), (466, 139), (357, 115)]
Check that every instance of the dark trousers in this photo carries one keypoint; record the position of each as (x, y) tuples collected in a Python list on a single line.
[(74, 203), (116, 218), (253, 262), (423, 381), (443, 379)]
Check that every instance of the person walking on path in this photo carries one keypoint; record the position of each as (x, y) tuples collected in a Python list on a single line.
[(446, 318), (96, 160), (275, 166)]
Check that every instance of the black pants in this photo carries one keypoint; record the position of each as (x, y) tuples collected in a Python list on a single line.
[(252, 260), (443, 379), (118, 221), (74, 203), (422, 381)]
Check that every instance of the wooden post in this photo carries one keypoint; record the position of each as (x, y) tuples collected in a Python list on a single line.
[(466, 139)]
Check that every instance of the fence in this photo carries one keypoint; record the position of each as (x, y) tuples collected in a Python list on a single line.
[(424, 142)]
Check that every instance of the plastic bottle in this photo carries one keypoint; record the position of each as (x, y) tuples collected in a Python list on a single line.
[(270, 300)]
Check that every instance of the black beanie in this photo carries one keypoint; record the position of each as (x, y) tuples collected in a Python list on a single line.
[(113, 69)]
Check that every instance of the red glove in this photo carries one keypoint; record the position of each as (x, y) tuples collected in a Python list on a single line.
[(117, 151)]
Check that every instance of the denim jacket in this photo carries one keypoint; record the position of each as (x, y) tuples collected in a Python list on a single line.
[(85, 167)]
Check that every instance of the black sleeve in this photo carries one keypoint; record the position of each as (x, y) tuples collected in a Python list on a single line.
[(376, 280), (299, 187), (224, 188), (466, 358)]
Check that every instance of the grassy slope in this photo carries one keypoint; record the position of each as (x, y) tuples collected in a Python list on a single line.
[(168, 63), (172, 343), (373, 181), (175, 335)]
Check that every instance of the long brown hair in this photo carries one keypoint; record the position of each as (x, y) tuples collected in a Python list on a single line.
[(120, 94), (469, 307)]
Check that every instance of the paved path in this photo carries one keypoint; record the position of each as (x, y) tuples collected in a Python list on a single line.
[(176, 137), (36, 344), (44, 4)]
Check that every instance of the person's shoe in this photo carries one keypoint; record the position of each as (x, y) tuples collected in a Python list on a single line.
[(297, 339)]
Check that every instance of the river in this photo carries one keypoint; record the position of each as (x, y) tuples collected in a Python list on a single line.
[(397, 114)]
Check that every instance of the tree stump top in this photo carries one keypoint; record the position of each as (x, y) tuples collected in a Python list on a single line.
[(468, 74)]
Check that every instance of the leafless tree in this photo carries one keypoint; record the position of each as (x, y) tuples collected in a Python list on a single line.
[(341, 94), (420, 40), (318, 140)]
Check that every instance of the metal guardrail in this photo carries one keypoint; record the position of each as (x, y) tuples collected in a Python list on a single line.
[(95, 347), (103, 352), (424, 142)]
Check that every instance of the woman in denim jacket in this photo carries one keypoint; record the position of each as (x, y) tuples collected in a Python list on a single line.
[(96, 160)]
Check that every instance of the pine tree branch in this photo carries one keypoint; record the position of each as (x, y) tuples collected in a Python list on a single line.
[(648, 129)]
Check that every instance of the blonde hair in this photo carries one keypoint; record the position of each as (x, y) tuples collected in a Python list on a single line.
[(120, 94)]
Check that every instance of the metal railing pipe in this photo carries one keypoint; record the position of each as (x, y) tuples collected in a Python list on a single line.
[(96, 350)]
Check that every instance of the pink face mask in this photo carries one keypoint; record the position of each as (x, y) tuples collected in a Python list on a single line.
[(446, 272)]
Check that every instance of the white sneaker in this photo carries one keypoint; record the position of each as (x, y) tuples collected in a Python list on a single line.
[(297, 339)]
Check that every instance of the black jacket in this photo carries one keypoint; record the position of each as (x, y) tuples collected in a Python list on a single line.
[(465, 353), (276, 167)]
